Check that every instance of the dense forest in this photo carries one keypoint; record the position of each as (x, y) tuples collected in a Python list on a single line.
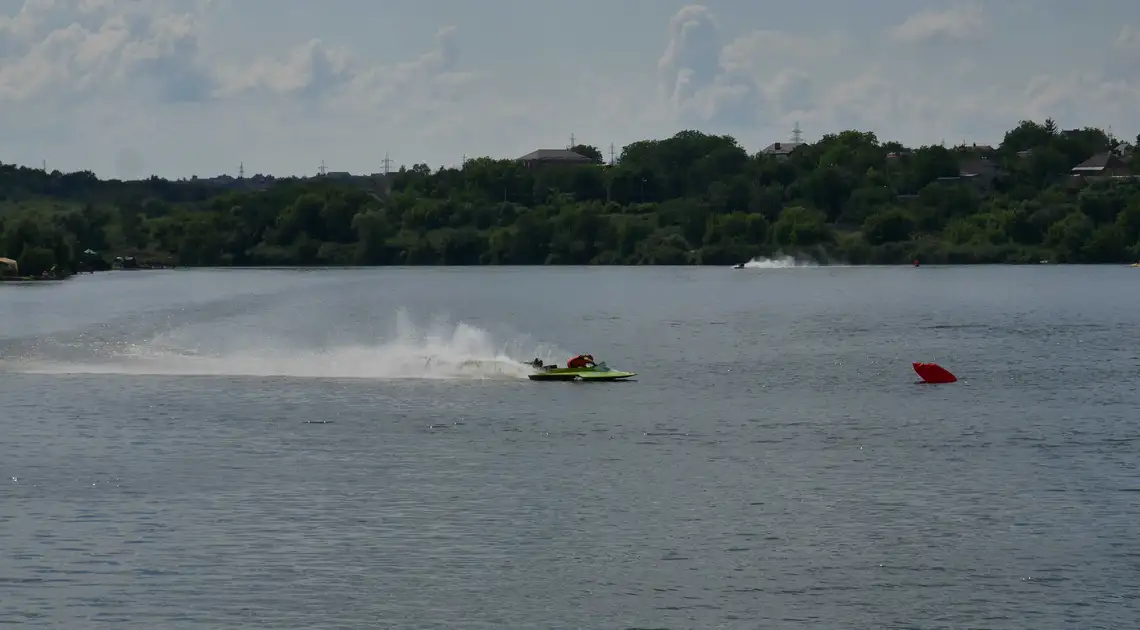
[(1043, 194)]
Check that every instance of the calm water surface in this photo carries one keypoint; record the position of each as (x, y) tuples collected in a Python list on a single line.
[(360, 449)]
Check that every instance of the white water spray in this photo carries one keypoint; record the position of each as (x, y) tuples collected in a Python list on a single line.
[(439, 351), (780, 262)]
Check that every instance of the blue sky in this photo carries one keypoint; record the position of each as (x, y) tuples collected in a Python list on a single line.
[(131, 88)]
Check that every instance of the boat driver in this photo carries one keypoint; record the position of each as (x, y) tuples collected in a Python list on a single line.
[(581, 361)]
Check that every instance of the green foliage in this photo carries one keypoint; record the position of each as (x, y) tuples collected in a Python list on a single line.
[(693, 198)]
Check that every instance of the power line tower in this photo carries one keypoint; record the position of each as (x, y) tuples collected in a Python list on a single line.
[(323, 170), (797, 133), (611, 154), (241, 170), (572, 145), (387, 162)]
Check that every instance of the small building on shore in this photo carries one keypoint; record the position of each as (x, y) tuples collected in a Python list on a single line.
[(781, 150), (1106, 164), (546, 157)]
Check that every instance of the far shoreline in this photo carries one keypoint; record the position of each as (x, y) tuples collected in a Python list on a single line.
[(798, 265), (1066, 196)]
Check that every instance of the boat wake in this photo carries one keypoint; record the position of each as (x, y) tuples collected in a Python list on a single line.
[(439, 351), (780, 262)]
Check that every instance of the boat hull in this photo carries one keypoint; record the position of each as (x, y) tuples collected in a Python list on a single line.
[(584, 374)]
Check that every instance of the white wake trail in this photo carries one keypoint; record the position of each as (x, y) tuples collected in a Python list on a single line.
[(439, 351)]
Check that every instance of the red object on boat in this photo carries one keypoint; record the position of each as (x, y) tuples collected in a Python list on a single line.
[(933, 373)]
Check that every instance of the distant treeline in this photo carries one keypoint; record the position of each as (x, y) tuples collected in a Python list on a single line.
[(689, 199)]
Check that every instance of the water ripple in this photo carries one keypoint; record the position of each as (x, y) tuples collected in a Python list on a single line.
[(775, 465)]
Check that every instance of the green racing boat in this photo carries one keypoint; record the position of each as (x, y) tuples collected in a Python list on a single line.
[(598, 372)]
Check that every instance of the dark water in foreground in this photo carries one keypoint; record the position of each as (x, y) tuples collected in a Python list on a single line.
[(304, 449)]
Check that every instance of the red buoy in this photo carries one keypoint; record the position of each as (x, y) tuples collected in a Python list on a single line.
[(933, 373)]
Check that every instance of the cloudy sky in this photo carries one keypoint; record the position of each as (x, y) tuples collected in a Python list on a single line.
[(129, 88)]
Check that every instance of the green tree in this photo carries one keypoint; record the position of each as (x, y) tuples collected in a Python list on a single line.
[(889, 226), (589, 151), (689, 198)]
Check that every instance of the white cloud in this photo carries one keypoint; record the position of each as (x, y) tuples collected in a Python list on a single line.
[(173, 86), (1128, 40), (98, 62), (766, 79), (310, 69), (965, 22), (59, 50), (1078, 99), (691, 60), (108, 46), (745, 53), (748, 81), (432, 76), (315, 70)]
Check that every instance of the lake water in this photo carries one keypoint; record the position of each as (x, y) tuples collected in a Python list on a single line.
[(361, 449)]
